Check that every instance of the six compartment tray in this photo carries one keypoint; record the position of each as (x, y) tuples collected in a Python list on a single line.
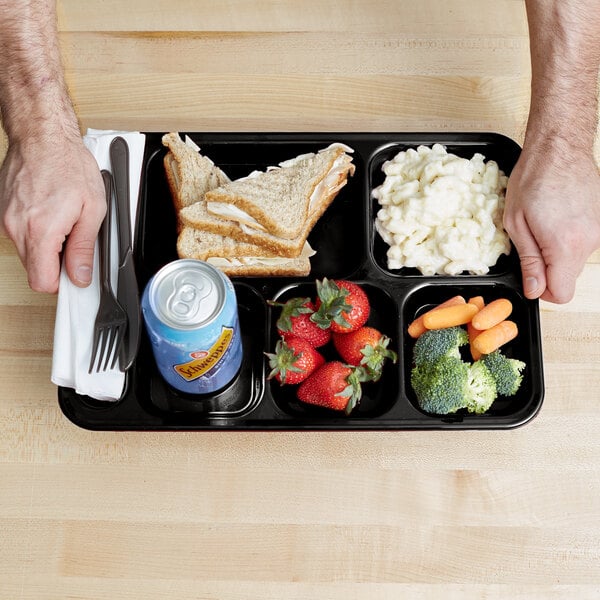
[(347, 247)]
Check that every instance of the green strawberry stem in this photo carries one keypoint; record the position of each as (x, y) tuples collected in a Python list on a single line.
[(333, 304), (292, 308), (353, 390), (374, 358), (282, 360)]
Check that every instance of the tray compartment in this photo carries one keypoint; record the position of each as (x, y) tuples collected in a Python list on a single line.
[(505, 154), (338, 237), (525, 347), (239, 397), (378, 397)]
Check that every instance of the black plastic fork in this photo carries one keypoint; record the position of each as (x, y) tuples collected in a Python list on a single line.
[(111, 319)]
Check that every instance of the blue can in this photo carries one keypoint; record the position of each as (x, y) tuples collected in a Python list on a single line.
[(191, 315)]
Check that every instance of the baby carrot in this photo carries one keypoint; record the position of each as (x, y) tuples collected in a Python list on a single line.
[(492, 314), (471, 331), (416, 328), (477, 301), (449, 316), (491, 339)]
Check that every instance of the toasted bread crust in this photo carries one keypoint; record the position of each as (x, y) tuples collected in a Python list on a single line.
[(189, 174)]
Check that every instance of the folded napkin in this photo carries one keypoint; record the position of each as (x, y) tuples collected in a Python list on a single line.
[(76, 307)]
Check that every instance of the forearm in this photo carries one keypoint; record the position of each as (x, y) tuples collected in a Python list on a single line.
[(565, 58), (34, 100)]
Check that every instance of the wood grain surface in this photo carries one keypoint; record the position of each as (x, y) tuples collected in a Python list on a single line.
[(473, 514)]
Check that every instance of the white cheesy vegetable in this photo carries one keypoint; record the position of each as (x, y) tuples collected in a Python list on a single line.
[(442, 214)]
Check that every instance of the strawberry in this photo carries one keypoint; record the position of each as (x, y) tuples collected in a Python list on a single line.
[(333, 385), (341, 305), (295, 320), (293, 361), (366, 348)]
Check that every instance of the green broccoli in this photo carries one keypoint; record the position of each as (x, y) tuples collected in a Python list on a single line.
[(436, 343), (507, 372), (481, 388), (441, 386), (444, 383)]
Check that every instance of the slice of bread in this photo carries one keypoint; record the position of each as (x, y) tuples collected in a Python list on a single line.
[(237, 258), (279, 201), (189, 174)]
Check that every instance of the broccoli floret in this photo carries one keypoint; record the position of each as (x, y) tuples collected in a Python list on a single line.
[(507, 372), (441, 386), (481, 388), (436, 343)]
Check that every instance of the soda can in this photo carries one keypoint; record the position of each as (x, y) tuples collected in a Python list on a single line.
[(190, 312)]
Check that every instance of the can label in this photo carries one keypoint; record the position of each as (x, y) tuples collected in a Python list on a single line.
[(191, 316), (204, 360)]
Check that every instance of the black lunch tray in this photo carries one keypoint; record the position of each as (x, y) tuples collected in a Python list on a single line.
[(347, 248)]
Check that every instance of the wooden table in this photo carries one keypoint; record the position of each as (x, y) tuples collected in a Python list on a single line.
[(472, 514)]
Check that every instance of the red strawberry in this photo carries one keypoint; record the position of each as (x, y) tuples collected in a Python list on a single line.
[(341, 305), (333, 385), (293, 361), (295, 320), (365, 347)]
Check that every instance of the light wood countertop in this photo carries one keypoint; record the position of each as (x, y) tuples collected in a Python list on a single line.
[(233, 515)]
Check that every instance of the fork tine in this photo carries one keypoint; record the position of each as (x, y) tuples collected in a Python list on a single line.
[(120, 336), (94, 349), (110, 334), (102, 351)]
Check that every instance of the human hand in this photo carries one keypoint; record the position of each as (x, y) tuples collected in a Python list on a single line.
[(552, 215), (51, 193)]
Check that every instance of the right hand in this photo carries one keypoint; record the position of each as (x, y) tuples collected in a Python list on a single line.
[(52, 195), (552, 215)]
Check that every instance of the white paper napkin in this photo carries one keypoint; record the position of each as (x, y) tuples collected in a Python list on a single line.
[(76, 307)]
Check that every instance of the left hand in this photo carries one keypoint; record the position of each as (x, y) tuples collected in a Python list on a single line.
[(52, 198)]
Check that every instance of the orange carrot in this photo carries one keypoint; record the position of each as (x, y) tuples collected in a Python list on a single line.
[(450, 316), (491, 339), (471, 331), (492, 314), (416, 328), (477, 301)]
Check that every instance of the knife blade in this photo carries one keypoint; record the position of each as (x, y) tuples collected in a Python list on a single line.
[(127, 287)]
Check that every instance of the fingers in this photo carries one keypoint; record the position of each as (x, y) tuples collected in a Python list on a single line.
[(43, 269), (533, 266), (552, 278), (564, 269), (561, 285), (79, 249)]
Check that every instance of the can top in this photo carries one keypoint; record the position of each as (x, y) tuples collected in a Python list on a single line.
[(187, 294)]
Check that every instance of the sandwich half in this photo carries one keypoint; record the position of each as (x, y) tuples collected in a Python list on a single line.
[(277, 208)]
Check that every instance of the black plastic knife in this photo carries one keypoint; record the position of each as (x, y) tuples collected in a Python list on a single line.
[(127, 287)]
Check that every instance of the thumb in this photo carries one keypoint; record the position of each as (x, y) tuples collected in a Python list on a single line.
[(79, 249), (533, 266)]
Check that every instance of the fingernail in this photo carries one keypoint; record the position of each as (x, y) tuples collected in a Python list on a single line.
[(83, 274), (531, 285)]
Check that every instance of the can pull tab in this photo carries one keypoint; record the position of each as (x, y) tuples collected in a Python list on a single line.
[(186, 298)]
